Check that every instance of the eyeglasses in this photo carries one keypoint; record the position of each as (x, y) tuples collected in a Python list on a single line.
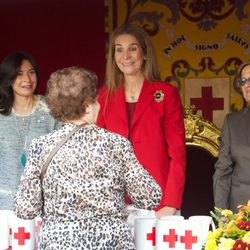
[(243, 81)]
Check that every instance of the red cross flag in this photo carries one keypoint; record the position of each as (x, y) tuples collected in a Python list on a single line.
[(210, 96), (145, 233), (23, 234)]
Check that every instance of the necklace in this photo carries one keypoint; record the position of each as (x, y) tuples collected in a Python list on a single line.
[(131, 97), (132, 93), (23, 141)]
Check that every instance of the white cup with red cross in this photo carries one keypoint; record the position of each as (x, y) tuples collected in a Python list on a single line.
[(23, 234), (167, 236), (190, 235), (145, 233), (206, 223)]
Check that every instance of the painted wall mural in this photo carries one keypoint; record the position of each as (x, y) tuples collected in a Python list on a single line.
[(199, 46)]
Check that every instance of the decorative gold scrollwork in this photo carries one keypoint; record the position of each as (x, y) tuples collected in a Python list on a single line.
[(200, 132)]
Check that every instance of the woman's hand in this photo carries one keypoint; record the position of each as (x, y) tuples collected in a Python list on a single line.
[(165, 211)]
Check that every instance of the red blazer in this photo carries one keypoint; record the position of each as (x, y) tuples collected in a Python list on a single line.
[(157, 134)]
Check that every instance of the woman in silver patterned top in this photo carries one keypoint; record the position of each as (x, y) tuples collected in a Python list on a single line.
[(23, 116), (83, 202)]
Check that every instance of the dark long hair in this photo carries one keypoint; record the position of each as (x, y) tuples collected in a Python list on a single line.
[(9, 70)]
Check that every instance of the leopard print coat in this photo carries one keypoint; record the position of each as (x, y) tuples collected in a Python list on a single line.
[(82, 197)]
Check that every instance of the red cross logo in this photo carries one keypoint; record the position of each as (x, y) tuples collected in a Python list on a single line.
[(151, 236), (21, 236), (171, 238), (188, 239), (207, 103)]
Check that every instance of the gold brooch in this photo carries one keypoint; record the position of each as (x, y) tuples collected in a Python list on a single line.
[(158, 96)]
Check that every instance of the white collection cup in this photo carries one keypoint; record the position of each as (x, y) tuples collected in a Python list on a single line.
[(206, 223), (23, 234), (145, 233), (167, 236), (190, 235)]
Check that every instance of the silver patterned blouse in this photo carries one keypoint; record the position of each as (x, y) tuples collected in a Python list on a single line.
[(16, 133)]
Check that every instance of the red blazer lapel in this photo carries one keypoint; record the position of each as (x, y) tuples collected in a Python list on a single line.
[(145, 98)]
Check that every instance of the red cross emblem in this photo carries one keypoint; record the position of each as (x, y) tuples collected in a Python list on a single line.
[(188, 239), (151, 236), (171, 238), (21, 236), (207, 103)]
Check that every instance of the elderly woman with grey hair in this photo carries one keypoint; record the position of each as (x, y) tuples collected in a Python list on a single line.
[(82, 195)]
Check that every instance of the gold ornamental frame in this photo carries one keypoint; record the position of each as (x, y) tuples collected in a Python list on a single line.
[(201, 132)]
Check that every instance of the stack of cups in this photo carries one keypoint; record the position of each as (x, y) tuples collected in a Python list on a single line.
[(171, 232)]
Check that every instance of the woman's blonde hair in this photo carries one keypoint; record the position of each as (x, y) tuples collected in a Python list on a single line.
[(69, 91), (114, 77)]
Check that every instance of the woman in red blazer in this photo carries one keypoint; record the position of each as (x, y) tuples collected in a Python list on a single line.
[(137, 105)]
